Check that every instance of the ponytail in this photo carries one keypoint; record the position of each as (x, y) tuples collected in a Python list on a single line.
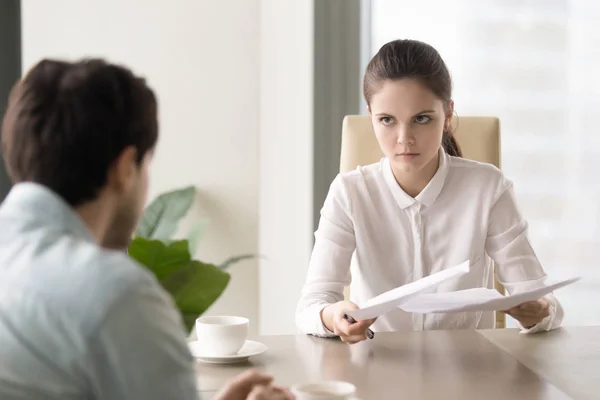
[(450, 145)]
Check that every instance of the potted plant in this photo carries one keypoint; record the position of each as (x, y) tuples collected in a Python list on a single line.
[(194, 285)]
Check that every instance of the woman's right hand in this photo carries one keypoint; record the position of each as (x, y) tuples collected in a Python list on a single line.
[(333, 319)]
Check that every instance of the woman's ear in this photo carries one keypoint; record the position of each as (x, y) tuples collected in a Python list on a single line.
[(369, 110), (450, 109), (449, 115)]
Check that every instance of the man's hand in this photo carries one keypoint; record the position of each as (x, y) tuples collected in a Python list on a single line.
[(252, 385), (530, 313), (270, 393)]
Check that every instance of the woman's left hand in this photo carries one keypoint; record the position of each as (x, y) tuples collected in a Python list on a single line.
[(530, 313)]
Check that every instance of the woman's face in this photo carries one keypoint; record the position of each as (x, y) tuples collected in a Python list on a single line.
[(409, 121)]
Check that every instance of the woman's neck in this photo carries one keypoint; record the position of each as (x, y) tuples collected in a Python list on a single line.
[(413, 182)]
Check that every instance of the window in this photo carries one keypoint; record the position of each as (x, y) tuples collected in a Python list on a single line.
[(534, 64)]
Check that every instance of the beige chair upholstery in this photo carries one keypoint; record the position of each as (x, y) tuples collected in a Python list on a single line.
[(478, 137)]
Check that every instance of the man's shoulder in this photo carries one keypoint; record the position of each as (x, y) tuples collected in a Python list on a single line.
[(58, 290), (74, 276), (104, 277)]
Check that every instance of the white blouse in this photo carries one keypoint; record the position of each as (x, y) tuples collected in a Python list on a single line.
[(375, 237)]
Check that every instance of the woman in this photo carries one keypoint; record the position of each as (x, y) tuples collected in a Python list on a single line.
[(421, 209)]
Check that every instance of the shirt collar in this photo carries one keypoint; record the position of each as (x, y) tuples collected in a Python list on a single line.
[(34, 201), (428, 195)]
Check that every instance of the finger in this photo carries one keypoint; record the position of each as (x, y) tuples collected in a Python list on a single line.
[(531, 306), (524, 314), (258, 393), (512, 311), (277, 393), (284, 391), (351, 331), (251, 378), (353, 339), (529, 313), (523, 310), (351, 327), (268, 393), (341, 327), (287, 395), (359, 328), (529, 323)]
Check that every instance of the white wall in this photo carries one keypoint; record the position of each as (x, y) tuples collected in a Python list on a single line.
[(202, 59), (286, 158), (234, 81)]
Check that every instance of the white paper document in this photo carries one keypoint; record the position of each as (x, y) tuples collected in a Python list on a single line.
[(392, 299), (478, 299)]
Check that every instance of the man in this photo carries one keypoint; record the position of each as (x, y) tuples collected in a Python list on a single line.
[(77, 319)]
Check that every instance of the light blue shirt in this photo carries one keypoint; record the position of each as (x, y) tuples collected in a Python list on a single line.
[(77, 321)]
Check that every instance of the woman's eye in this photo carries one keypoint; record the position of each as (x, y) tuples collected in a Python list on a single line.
[(422, 119), (385, 120)]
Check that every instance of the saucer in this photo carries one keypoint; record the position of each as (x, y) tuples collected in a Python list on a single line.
[(249, 349)]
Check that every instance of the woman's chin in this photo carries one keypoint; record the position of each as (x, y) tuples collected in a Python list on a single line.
[(407, 164)]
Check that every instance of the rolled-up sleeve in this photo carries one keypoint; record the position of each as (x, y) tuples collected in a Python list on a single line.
[(329, 267), (517, 266)]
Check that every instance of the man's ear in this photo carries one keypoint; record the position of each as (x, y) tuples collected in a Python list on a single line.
[(121, 175)]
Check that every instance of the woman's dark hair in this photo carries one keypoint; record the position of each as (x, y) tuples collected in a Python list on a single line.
[(67, 122), (412, 59)]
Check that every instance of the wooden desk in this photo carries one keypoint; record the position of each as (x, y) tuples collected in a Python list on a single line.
[(414, 365), (567, 357)]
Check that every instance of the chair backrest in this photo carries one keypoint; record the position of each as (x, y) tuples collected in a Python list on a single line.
[(478, 137)]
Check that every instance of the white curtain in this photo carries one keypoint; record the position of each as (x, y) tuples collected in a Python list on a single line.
[(536, 65)]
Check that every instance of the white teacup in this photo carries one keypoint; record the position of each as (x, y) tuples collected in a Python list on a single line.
[(222, 335), (324, 390)]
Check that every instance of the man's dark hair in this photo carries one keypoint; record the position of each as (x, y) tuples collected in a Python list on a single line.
[(66, 124)]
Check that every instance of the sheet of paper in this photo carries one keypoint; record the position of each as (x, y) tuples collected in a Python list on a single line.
[(390, 300), (478, 299)]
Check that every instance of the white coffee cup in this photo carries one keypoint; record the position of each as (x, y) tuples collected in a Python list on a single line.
[(221, 335), (324, 390)]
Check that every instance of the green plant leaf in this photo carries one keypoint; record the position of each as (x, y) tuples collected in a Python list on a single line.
[(162, 216), (195, 234), (234, 260), (195, 287), (160, 257)]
